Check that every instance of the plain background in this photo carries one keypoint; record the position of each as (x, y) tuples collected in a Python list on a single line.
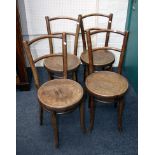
[(146, 79)]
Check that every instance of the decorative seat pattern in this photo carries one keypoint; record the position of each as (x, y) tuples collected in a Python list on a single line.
[(60, 94)]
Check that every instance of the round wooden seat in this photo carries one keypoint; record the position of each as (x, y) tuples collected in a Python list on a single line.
[(55, 64), (60, 94), (100, 58), (106, 84)]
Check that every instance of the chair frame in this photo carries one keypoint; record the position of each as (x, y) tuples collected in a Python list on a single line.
[(118, 99), (83, 32), (32, 62), (76, 35)]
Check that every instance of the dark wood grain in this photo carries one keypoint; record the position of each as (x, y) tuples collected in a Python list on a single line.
[(23, 81)]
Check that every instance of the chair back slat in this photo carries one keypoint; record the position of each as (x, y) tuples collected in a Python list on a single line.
[(83, 30), (32, 62), (46, 56), (89, 33), (76, 34)]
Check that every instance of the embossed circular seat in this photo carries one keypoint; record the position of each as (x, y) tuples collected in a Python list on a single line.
[(60, 94), (100, 58), (55, 64), (106, 84)]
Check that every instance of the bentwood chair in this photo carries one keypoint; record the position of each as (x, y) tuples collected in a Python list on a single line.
[(102, 58), (106, 86), (54, 64), (57, 96)]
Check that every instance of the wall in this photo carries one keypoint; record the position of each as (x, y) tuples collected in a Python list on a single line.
[(33, 19), (131, 59)]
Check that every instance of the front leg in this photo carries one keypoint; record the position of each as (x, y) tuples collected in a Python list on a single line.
[(82, 117), (41, 115), (120, 113), (92, 112), (55, 128)]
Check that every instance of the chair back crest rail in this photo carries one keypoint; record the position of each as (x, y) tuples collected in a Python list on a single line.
[(32, 61), (89, 33), (83, 31), (76, 34)]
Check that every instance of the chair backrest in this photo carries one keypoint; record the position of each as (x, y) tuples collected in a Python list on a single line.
[(89, 33), (32, 61), (76, 34), (83, 30)]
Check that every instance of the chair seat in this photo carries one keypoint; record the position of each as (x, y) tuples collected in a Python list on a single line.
[(100, 58), (55, 64), (106, 84), (60, 94)]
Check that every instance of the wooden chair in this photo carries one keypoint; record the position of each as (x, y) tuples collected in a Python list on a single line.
[(57, 96), (54, 64), (102, 58), (106, 86)]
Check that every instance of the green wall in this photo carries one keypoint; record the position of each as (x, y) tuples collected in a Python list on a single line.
[(131, 58)]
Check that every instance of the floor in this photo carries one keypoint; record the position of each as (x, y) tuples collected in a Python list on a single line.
[(33, 139)]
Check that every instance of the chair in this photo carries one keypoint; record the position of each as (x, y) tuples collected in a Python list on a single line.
[(54, 64), (106, 86), (102, 58), (52, 95)]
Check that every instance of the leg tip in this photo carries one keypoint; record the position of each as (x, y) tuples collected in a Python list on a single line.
[(120, 129)]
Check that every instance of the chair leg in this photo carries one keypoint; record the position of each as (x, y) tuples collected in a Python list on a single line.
[(110, 69), (86, 71), (115, 105), (120, 113), (75, 75), (50, 77), (89, 100), (55, 129), (82, 117), (41, 115), (92, 112)]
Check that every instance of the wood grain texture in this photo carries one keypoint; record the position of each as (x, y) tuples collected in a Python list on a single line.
[(100, 58), (60, 94), (55, 64), (106, 84), (23, 80)]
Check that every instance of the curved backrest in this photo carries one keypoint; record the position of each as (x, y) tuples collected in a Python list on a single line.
[(83, 30), (32, 62), (76, 34), (89, 33)]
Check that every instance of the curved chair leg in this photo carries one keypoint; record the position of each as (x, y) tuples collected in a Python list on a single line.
[(55, 129), (82, 117), (92, 112), (120, 113), (41, 115)]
